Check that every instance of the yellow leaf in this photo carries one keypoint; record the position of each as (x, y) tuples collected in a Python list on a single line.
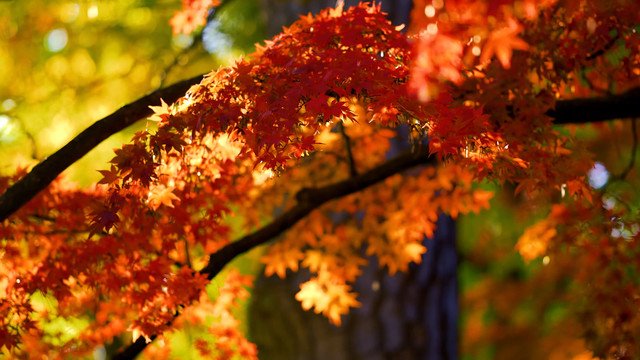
[(414, 251), (312, 295), (332, 299)]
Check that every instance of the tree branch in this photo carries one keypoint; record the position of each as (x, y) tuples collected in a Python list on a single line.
[(574, 111), (47, 170), (133, 350), (634, 147), (596, 109), (347, 145), (309, 199)]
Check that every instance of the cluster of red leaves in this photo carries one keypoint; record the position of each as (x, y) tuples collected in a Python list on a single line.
[(168, 192), (593, 50), (508, 134), (287, 111)]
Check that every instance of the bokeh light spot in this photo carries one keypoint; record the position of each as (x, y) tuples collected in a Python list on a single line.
[(4, 121), (430, 11), (8, 104), (598, 175), (213, 40), (92, 11), (56, 40), (7, 129)]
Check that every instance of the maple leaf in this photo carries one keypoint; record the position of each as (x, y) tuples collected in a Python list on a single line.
[(280, 258), (314, 259), (103, 220), (414, 251), (161, 195), (332, 299), (109, 176), (160, 113), (502, 42), (311, 295), (228, 146), (341, 301)]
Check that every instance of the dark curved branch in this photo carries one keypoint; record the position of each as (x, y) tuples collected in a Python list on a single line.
[(574, 111), (596, 109), (47, 170), (309, 199)]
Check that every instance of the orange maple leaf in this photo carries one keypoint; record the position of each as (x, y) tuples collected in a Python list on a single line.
[(280, 258), (535, 239), (502, 42), (160, 113), (161, 195), (332, 299)]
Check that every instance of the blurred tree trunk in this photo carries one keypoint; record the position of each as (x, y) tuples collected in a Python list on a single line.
[(279, 13), (407, 316)]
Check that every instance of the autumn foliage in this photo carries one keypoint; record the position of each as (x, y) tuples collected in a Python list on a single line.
[(470, 89)]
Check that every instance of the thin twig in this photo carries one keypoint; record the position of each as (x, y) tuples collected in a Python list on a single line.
[(347, 144), (606, 48), (624, 174), (186, 251), (64, 231)]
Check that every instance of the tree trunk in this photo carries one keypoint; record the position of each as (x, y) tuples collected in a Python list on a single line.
[(279, 13), (406, 316)]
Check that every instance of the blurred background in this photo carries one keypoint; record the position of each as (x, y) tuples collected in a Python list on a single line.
[(66, 64)]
